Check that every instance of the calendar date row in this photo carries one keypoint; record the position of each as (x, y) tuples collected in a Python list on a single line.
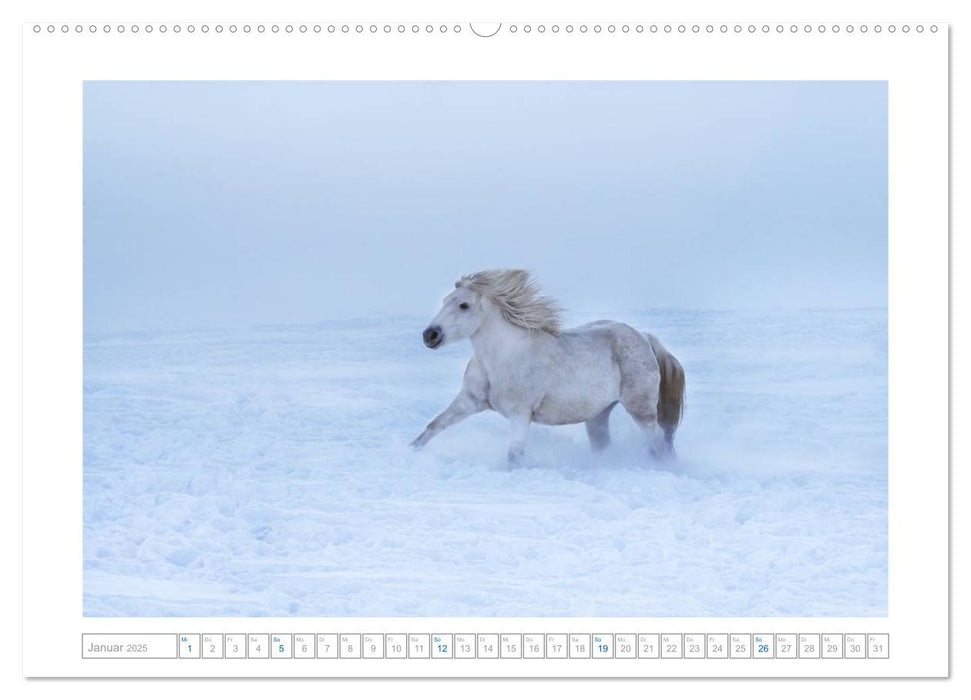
[(347, 646)]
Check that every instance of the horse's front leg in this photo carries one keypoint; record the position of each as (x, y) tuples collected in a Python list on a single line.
[(517, 439), (464, 405)]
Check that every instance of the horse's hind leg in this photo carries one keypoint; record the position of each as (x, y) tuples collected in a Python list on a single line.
[(639, 396), (646, 418), (669, 436), (670, 403), (598, 428)]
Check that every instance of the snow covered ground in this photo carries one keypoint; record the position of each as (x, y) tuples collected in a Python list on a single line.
[(266, 471)]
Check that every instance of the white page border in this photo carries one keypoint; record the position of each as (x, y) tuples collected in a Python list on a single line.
[(915, 66)]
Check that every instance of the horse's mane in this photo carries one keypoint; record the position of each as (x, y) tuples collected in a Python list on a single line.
[(517, 296)]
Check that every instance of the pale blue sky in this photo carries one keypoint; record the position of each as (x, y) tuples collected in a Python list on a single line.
[(227, 203)]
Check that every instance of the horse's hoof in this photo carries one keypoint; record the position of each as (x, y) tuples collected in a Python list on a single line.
[(660, 455)]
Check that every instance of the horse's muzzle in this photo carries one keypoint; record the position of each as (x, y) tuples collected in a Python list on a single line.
[(433, 336)]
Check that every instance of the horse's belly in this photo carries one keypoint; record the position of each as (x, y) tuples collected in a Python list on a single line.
[(574, 403), (567, 412), (563, 404), (571, 383)]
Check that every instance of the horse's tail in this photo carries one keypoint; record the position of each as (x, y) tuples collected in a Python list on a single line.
[(670, 402)]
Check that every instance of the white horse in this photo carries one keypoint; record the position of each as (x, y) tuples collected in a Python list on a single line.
[(530, 370)]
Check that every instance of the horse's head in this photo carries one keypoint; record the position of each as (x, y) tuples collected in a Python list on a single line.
[(461, 315)]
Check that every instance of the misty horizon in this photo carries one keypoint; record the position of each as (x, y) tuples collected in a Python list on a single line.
[(221, 204)]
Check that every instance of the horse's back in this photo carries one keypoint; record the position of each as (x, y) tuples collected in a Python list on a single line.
[(630, 351), (624, 340)]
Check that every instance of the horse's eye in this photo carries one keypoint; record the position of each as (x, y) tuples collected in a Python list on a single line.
[(463, 306)]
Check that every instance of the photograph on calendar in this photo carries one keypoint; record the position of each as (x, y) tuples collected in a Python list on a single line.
[(482, 349)]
